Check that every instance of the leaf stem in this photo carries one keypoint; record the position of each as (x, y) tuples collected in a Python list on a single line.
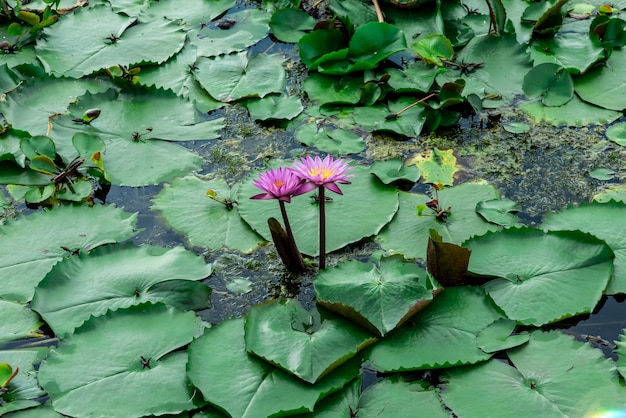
[(322, 201)]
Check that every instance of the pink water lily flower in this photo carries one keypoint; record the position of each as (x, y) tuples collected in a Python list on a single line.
[(278, 183), (322, 173)]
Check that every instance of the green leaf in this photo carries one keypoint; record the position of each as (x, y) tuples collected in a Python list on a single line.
[(323, 88), (285, 334), (392, 170), (102, 360), (549, 377), (275, 107), (38, 145), (18, 321), (364, 208), (575, 52), (617, 193), (43, 164), (617, 133), (289, 25), (232, 77), (602, 173), (605, 86), (205, 222), (24, 261), (408, 233), (193, 14), (318, 45), (550, 81), (378, 297), (505, 62), (599, 220), (113, 39), (433, 48), (573, 113), (499, 211), (115, 277), (220, 354), (330, 140), (375, 118), (621, 353), (22, 390), (443, 334), (517, 127), (244, 29), (394, 397), (542, 278)]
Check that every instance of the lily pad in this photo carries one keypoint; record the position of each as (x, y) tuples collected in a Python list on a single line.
[(115, 277), (611, 78), (273, 107), (379, 297), (574, 113), (600, 220), (408, 233), (549, 377), (621, 352), (231, 77), (204, 221), (552, 82), (499, 211), (375, 118), (617, 133), (302, 343), (437, 167), (268, 391), (289, 25), (24, 261), (394, 397), (364, 208), (324, 89), (433, 48), (22, 390), (542, 278), (617, 193), (498, 336), (602, 174), (124, 355), (392, 170), (572, 51), (330, 140), (113, 39), (193, 14), (443, 334), (18, 321)]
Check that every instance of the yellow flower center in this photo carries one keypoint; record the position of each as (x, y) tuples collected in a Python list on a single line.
[(321, 171)]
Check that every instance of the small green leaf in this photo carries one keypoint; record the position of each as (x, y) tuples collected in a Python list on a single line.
[(433, 48), (330, 140), (437, 167), (550, 81), (499, 211), (516, 127), (602, 173), (617, 133), (289, 25), (392, 170), (239, 286)]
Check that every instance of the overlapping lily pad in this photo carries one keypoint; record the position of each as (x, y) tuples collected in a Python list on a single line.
[(90, 40), (548, 377), (117, 277), (364, 208), (22, 390), (306, 344), (408, 233), (244, 386), (542, 278), (205, 221), (18, 321), (24, 260), (443, 334), (600, 220), (125, 355), (379, 297)]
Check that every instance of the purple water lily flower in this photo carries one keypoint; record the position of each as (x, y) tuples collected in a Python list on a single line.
[(322, 173), (278, 183)]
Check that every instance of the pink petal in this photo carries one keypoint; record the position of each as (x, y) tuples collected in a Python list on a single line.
[(333, 188), (262, 196), (304, 188)]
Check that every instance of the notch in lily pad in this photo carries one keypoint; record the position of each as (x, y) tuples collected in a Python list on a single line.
[(445, 261), (378, 296)]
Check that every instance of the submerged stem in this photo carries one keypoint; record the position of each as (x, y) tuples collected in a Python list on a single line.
[(322, 201)]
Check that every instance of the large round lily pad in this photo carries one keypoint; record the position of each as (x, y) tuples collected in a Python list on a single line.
[(378, 296), (18, 321), (123, 364), (116, 277), (245, 386), (25, 260), (551, 376), (542, 278), (364, 208), (602, 220), (204, 221), (303, 343)]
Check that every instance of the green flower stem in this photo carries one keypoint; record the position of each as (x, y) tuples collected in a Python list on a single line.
[(322, 201)]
